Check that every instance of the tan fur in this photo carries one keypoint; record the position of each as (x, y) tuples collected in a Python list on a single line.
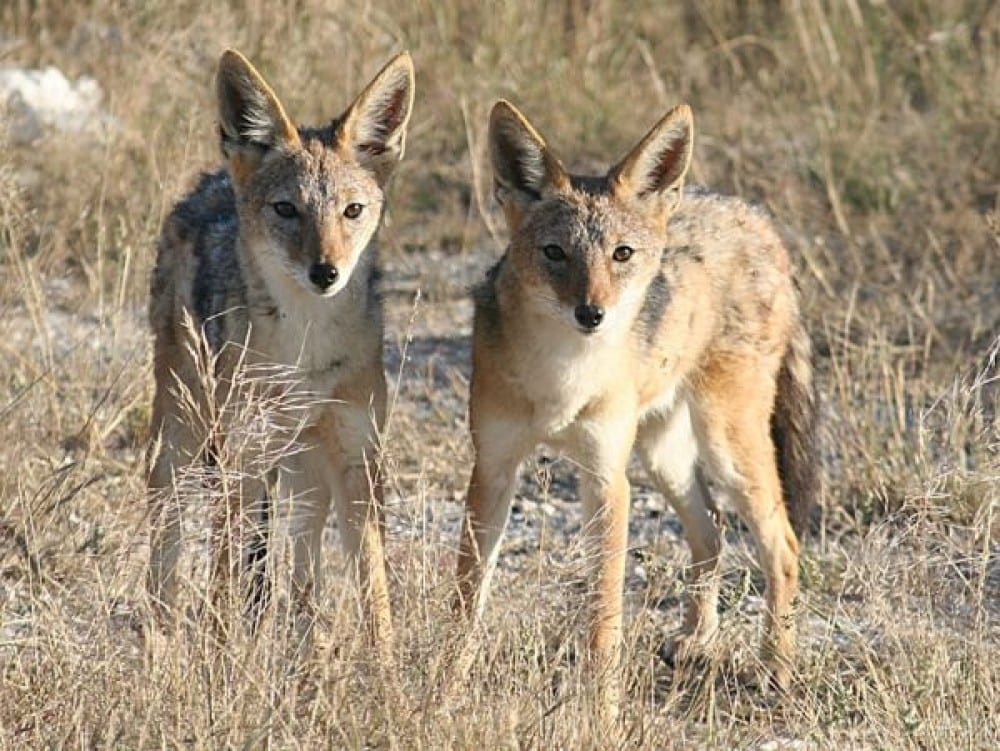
[(697, 321), (273, 262)]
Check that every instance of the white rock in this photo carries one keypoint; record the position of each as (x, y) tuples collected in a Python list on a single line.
[(36, 101)]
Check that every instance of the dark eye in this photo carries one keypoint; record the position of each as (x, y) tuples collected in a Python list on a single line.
[(622, 253), (353, 210), (285, 210), (554, 253)]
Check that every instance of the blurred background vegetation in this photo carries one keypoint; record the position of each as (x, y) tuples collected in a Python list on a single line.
[(869, 128)]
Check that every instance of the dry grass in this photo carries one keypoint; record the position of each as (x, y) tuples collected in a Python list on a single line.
[(868, 128)]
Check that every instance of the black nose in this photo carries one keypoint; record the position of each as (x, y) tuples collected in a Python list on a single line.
[(323, 275), (589, 316)]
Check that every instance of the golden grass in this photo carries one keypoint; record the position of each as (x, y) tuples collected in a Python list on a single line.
[(868, 128)]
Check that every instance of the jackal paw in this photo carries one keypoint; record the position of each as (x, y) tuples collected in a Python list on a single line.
[(779, 674), (687, 650), (771, 678)]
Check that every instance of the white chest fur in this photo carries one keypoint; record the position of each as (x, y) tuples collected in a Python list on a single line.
[(559, 371), (320, 340)]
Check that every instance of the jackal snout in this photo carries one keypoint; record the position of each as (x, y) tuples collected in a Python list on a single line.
[(581, 264), (601, 291), (323, 275), (323, 255), (589, 316)]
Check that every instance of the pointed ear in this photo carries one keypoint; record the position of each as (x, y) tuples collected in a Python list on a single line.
[(524, 168), (657, 165), (251, 119), (373, 130)]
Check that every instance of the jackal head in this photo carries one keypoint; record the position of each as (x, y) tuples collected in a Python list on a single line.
[(310, 200), (585, 249)]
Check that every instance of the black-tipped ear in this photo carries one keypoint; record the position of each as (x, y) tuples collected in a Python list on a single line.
[(373, 130), (251, 119), (659, 162), (524, 168)]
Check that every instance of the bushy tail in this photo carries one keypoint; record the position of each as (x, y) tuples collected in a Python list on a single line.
[(794, 430)]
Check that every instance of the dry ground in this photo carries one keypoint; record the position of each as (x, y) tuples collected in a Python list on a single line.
[(870, 129)]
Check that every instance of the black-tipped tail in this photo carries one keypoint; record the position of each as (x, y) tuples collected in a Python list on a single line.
[(794, 430)]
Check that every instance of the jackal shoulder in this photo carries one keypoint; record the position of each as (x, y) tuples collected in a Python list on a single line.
[(728, 253), (721, 229), (197, 264)]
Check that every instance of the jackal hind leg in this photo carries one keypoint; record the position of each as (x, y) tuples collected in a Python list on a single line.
[(669, 452), (733, 421)]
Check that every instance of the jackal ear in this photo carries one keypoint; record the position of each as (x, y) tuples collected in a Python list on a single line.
[(524, 168), (658, 163), (251, 119), (373, 130)]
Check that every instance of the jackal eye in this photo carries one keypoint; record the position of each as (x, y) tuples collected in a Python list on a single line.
[(353, 210), (554, 252), (622, 253), (285, 210)]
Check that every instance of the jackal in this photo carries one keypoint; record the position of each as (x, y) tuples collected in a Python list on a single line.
[(630, 312), (273, 260)]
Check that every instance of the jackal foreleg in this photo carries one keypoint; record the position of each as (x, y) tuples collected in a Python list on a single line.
[(602, 442), (355, 479), (501, 445)]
